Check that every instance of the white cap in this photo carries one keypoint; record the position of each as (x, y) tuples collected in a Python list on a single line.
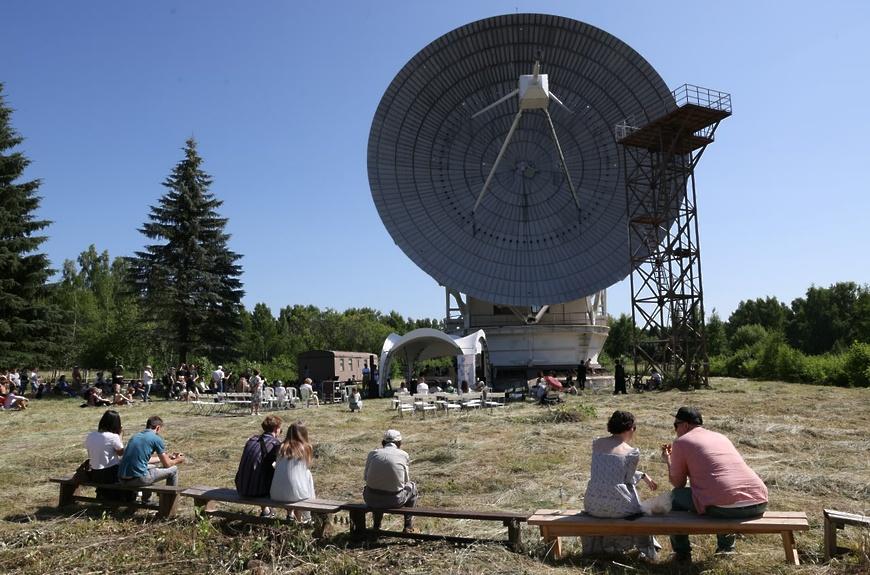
[(449, 382), (392, 436), (220, 367)]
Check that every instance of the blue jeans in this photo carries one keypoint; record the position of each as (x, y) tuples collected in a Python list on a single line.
[(152, 476), (682, 501)]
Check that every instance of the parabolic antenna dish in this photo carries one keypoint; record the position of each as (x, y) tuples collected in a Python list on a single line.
[(532, 230)]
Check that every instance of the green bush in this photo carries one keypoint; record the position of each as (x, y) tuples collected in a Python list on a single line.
[(779, 361), (827, 369), (773, 358), (748, 336), (718, 365), (741, 363), (857, 365)]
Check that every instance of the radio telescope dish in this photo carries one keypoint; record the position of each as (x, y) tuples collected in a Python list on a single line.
[(492, 159)]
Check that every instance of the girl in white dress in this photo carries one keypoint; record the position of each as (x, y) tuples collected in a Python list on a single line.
[(293, 480)]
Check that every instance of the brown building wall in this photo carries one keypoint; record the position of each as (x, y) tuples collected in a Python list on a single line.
[(326, 365)]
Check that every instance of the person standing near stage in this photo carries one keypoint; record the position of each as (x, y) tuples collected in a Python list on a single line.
[(619, 379), (366, 378), (217, 379), (147, 382), (256, 392), (581, 375)]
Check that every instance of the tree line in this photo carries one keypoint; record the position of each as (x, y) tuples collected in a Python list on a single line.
[(177, 300), (822, 337)]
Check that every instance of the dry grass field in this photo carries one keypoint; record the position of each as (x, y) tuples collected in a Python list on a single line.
[(810, 445)]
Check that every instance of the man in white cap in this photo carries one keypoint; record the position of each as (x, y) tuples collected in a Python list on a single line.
[(387, 479)]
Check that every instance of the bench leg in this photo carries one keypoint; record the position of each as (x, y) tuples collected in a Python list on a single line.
[(204, 506), (830, 538), (514, 535), (357, 524), (791, 555), (553, 542), (321, 523), (67, 494), (168, 502)]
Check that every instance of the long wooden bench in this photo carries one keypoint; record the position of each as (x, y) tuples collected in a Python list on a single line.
[(167, 496), (509, 519), (835, 520), (555, 524), (205, 499)]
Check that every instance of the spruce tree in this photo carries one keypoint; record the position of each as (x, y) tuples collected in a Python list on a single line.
[(189, 281), (27, 320)]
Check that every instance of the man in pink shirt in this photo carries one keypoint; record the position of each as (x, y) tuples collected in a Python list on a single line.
[(722, 485)]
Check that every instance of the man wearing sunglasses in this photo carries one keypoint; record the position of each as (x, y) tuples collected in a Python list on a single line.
[(722, 485)]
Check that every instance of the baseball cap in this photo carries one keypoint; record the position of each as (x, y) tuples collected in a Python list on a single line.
[(689, 415), (392, 436)]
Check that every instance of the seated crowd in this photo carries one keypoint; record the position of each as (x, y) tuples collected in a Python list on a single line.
[(722, 484), (268, 468)]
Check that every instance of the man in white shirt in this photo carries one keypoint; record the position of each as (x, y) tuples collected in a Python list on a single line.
[(422, 387), (15, 378), (387, 479), (217, 378), (147, 382)]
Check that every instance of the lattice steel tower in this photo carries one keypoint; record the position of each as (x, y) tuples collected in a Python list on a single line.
[(666, 285)]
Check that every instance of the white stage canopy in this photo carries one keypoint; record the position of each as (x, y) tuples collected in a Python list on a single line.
[(428, 343)]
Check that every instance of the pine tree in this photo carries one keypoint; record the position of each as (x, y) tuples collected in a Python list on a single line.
[(189, 283), (27, 320)]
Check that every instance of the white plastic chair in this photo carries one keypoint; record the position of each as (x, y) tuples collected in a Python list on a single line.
[(308, 396), (269, 396), (424, 403), (406, 404), (281, 396)]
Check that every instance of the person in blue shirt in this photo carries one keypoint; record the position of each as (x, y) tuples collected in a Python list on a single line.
[(143, 452)]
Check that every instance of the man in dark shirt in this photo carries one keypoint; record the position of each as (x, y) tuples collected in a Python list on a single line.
[(619, 379)]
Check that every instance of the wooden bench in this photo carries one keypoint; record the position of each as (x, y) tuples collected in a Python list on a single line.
[(571, 523), (835, 520), (167, 496), (509, 519), (204, 499)]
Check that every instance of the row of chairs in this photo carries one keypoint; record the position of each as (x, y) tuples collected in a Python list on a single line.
[(446, 402), (273, 398)]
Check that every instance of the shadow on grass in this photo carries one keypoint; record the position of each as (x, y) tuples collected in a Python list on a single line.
[(602, 563), (47, 513)]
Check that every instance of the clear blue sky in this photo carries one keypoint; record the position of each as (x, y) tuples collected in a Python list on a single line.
[(280, 96)]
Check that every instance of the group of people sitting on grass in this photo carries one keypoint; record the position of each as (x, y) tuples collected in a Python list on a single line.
[(722, 484), (13, 387), (10, 398)]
